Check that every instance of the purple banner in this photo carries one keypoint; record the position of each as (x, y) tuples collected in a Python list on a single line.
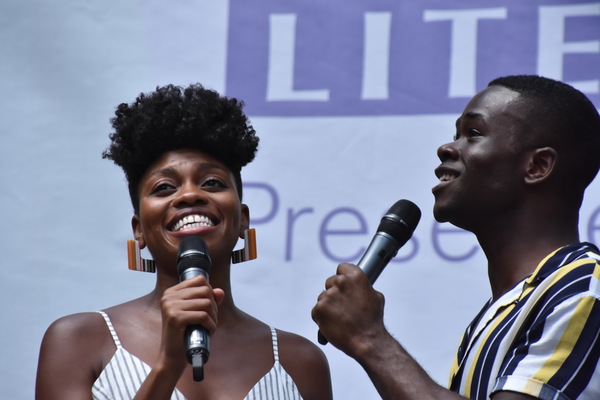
[(380, 57)]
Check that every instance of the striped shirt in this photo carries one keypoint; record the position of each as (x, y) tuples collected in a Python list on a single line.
[(124, 374), (541, 338)]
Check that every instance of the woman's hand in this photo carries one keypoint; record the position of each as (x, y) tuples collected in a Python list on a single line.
[(191, 302)]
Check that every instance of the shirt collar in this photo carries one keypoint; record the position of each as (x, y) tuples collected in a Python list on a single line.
[(558, 258)]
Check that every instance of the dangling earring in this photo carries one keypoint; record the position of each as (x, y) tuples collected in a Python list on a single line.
[(135, 260), (248, 252)]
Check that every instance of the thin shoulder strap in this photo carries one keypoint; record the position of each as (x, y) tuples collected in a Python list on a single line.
[(113, 333), (275, 345)]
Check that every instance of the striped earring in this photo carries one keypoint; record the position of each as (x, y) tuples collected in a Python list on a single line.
[(135, 260), (248, 252)]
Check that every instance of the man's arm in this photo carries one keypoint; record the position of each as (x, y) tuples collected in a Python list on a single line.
[(349, 314)]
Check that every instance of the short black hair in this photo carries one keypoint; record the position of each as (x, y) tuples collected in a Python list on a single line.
[(566, 119), (172, 118)]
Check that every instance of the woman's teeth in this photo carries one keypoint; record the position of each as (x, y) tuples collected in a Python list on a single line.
[(446, 177), (192, 221)]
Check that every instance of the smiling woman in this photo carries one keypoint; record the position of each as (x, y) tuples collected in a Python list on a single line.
[(182, 150)]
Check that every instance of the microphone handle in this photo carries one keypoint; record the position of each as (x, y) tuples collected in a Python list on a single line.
[(197, 340), (197, 344), (192, 272), (381, 250)]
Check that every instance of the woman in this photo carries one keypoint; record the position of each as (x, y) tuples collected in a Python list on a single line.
[(182, 151)]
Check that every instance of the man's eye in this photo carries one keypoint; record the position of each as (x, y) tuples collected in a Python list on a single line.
[(470, 133)]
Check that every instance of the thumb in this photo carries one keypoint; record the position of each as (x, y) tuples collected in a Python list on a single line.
[(219, 295)]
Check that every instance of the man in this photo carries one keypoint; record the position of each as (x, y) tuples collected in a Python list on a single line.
[(525, 149)]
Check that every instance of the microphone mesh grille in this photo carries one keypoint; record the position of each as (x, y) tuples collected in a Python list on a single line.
[(197, 254), (401, 220)]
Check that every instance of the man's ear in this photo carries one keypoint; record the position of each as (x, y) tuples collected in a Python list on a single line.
[(245, 220), (541, 164), (136, 226)]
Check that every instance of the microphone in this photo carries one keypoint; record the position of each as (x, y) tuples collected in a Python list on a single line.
[(193, 260), (395, 228)]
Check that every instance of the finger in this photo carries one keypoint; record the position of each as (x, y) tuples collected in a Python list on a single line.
[(219, 295), (196, 292), (199, 280), (347, 268), (314, 314), (199, 312), (329, 282), (320, 296)]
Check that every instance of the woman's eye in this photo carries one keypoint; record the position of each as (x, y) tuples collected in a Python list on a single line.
[(163, 187), (214, 182), (474, 132)]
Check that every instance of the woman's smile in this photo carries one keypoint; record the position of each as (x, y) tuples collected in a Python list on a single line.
[(188, 192), (192, 221)]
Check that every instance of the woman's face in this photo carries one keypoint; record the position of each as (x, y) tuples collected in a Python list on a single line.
[(189, 192)]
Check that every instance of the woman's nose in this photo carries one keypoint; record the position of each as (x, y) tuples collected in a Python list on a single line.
[(189, 194)]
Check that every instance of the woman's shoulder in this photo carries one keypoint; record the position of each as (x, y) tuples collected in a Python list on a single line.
[(290, 345), (306, 363), (296, 349), (290, 342), (71, 327), (76, 345), (89, 326), (77, 334)]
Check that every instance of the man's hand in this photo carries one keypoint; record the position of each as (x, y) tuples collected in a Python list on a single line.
[(349, 312)]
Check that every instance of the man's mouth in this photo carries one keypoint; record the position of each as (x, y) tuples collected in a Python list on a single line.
[(192, 221), (447, 177)]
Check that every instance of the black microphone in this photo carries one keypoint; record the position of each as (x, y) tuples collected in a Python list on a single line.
[(193, 260), (395, 228)]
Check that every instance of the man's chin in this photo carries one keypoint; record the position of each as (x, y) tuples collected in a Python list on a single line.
[(439, 214)]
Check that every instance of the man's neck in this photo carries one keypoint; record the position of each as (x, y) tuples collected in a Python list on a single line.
[(513, 256)]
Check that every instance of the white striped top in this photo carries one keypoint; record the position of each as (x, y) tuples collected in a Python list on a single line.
[(124, 374)]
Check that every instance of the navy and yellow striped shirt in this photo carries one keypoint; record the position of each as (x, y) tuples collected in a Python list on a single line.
[(542, 338)]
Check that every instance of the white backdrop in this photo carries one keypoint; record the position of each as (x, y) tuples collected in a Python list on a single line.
[(350, 103)]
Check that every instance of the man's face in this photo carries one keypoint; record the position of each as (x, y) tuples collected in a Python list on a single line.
[(481, 171)]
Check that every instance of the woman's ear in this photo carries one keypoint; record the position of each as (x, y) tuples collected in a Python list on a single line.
[(540, 165), (137, 231), (245, 220)]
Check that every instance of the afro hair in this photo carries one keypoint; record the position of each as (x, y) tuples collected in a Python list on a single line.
[(172, 118)]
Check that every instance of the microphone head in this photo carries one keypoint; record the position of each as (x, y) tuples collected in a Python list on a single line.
[(400, 221), (193, 252)]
